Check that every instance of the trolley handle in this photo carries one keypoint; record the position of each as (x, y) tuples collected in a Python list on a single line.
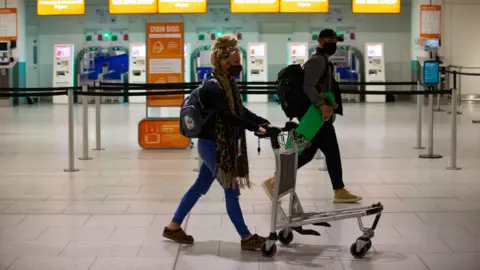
[(274, 132)]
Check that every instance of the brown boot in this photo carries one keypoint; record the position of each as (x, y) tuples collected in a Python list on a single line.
[(344, 196), (253, 242), (178, 236), (268, 186)]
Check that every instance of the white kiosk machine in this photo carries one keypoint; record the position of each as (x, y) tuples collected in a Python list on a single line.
[(297, 53), (257, 68), (136, 71), (63, 57), (374, 70)]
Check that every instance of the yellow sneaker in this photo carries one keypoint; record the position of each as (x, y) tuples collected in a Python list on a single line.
[(344, 196), (268, 186)]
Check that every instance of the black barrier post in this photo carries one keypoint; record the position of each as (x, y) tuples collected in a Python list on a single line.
[(430, 154), (71, 133)]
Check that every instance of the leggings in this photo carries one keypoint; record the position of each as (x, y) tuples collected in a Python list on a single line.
[(206, 176), (326, 141)]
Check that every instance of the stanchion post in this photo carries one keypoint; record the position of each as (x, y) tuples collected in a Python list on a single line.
[(453, 137), (98, 118), (430, 154), (419, 119), (71, 133), (85, 123)]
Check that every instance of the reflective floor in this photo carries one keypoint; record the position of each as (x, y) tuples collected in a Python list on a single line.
[(111, 213)]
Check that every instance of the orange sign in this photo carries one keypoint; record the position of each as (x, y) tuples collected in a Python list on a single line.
[(430, 21), (161, 133), (304, 6), (254, 6), (165, 60), (182, 6), (60, 7), (132, 6), (376, 6), (8, 24)]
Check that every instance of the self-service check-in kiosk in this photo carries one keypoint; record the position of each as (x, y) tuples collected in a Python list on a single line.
[(375, 70), (257, 68), (297, 53), (63, 64), (137, 69), (7, 62)]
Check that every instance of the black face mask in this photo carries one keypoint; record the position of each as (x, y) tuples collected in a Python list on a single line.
[(234, 71), (330, 48)]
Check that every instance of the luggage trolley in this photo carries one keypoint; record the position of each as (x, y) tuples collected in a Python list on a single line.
[(286, 161)]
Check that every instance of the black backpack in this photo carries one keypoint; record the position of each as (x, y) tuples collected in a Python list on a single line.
[(193, 114), (290, 91)]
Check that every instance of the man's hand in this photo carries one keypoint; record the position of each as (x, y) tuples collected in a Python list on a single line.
[(327, 112)]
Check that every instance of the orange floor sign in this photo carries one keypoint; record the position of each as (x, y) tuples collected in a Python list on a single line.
[(156, 133)]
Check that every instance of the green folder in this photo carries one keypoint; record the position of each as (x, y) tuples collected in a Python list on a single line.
[(310, 124)]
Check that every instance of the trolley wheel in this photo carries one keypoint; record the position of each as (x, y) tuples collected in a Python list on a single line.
[(285, 240), (269, 253), (366, 246)]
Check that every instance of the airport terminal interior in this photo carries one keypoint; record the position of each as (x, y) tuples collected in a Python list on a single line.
[(90, 182)]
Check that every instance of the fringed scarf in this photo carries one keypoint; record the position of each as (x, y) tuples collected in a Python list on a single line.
[(231, 155)]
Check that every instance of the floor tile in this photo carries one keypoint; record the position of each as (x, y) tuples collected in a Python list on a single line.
[(77, 233), (120, 220), (101, 249), (32, 248), (52, 263), (452, 261), (11, 220), (133, 263), (54, 220), (386, 260), (20, 233)]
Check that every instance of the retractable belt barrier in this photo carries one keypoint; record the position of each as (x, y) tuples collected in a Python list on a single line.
[(250, 88)]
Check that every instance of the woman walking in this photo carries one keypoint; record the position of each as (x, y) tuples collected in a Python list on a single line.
[(222, 145)]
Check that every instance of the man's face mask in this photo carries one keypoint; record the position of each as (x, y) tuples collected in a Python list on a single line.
[(330, 48), (234, 71)]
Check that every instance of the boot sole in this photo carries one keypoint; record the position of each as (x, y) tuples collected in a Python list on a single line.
[(347, 200), (177, 241)]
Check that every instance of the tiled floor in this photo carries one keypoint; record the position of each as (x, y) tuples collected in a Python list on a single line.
[(111, 213)]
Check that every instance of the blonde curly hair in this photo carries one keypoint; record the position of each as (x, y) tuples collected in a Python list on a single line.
[(223, 48)]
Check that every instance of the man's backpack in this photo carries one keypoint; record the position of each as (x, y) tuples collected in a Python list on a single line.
[(290, 91), (193, 114)]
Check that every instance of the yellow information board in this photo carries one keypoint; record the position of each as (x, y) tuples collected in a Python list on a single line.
[(376, 6), (304, 6), (182, 6), (132, 6), (254, 6), (60, 7)]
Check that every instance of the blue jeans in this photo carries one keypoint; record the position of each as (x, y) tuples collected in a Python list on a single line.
[(206, 176)]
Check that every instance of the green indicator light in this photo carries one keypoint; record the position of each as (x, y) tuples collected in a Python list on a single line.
[(116, 48), (114, 38), (219, 34), (201, 37), (93, 49), (88, 38), (314, 37), (106, 34)]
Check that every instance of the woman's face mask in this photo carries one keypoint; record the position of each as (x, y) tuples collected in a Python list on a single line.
[(234, 71)]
